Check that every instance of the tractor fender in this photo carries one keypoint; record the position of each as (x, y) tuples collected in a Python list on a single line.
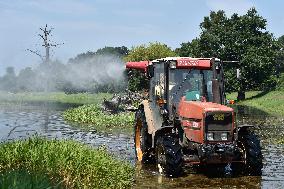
[(148, 115), (153, 119), (162, 131), (242, 129)]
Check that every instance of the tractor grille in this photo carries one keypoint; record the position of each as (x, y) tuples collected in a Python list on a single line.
[(219, 122)]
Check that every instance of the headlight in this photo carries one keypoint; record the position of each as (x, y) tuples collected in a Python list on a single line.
[(173, 65), (224, 136), (210, 136)]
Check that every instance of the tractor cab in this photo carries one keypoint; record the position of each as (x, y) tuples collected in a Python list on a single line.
[(195, 79)]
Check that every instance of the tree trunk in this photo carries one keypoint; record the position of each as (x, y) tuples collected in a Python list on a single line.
[(242, 89), (241, 95)]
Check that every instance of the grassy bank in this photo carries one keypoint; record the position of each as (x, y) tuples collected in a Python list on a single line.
[(65, 164), (271, 102), (93, 118), (52, 97)]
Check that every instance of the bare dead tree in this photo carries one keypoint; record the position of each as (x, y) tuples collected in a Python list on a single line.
[(47, 44)]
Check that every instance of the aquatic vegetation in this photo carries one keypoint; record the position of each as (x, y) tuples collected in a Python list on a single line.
[(94, 118), (68, 162), (22, 179)]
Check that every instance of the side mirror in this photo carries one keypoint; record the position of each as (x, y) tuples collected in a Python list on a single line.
[(150, 71)]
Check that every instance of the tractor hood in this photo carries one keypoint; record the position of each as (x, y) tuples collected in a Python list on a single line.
[(196, 109)]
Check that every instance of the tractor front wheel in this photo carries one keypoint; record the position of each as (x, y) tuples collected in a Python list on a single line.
[(169, 156), (249, 145), (142, 139)]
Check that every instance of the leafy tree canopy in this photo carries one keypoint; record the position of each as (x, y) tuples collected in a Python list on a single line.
[(242, 38), (137, 80), (118, 51), (149, 52), (114, 51)]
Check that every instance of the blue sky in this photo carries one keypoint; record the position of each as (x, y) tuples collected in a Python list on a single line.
[(87, 25)]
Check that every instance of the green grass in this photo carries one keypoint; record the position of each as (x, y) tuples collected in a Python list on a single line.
[(22, 179), (93, 118), (271, 102), (53, 97), (70, 163)]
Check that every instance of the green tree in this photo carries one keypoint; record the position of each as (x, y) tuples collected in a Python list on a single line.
[(118, 51), (9, 80), (99, 62), (184, 50), (26, 79), (280, 64), (242, 38), (113, 51), (137, 81), (280, 57)]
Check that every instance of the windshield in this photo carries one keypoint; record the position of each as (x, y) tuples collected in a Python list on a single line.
[(193, 84)]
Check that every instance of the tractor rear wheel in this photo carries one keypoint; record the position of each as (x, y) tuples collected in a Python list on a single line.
[(169, 156), (142, 139), (249, 144)]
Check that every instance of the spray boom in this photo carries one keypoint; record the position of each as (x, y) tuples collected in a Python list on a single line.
[(142, 65)]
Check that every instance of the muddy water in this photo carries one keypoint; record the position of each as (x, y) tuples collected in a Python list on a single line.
[(45, 120)]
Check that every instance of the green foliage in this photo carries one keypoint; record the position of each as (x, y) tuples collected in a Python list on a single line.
[(77, 76), (94, 118), (118, 51), (241, 38), (25, 81), (8, 81), (22, 179), (149, 52), (280, 56), (68, 162), (280, 82), (184, 50), (137, 80)]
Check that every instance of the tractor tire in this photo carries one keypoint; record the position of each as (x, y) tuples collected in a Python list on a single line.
[(142, 139), (169, 156), (249, 143)]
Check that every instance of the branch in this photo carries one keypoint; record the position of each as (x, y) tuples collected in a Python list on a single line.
[(57, 44), (36, 53), (41, 36)]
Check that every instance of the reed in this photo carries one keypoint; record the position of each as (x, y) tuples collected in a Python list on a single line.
[(65, 163)]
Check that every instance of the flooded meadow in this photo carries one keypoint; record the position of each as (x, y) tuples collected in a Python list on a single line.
[(22, 121)]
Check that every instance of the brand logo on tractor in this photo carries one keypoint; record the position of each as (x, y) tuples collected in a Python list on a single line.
[(219, 117), (188, 62)]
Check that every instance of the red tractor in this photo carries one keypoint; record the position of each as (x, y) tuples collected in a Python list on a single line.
[(185, 121)]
